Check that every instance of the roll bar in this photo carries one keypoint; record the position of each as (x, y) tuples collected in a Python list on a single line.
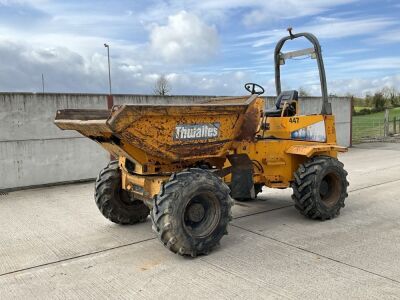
[(278, 56)]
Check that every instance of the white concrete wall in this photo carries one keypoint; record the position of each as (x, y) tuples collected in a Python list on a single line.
[(341, 109), (33, 151)]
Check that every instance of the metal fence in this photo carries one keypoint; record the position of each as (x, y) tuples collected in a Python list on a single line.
[(369, 130)]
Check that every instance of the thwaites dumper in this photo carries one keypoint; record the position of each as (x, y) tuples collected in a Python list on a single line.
[(183, 164)]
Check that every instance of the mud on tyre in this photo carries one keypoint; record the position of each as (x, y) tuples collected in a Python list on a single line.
[(114, 203), (192, 211)]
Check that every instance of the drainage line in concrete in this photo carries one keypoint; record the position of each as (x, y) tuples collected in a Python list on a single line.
[(291, 205), (374, 185), (79, 256), (320, 255), (264, 211), (249, 215)]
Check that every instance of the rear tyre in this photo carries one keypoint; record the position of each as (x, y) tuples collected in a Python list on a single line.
[(114, 203), (320, 188), (257, 190), (192, 212)]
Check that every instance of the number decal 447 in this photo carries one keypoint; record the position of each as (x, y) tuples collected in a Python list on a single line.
[(294, 120)]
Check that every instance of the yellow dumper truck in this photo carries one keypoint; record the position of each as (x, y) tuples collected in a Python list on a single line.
[(183, 164)]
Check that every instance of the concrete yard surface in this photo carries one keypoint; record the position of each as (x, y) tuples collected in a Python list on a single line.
[(54, 244)]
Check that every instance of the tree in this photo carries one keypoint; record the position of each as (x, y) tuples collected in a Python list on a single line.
[(368, 100), (379, 101), (395, 101), (162, 86), (303, 92), (391, 95)]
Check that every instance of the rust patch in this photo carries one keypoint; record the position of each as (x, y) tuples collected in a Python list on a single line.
[(138, 142), (197, 149), (250, 123)]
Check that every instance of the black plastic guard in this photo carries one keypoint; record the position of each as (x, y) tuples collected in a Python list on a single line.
[(242, 184)]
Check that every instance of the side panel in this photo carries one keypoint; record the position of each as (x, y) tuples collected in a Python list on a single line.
[(316, 128), (276, 165)]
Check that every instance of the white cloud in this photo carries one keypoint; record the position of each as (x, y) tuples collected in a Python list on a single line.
[(68, 71), (184, 39), (363, 86), (326, 28), (131, 68), (353, 51), (22, 2), (248, 12), (67, 46), (289, 9), (339, 28), (387, 37), (261, 11), (370, 64)]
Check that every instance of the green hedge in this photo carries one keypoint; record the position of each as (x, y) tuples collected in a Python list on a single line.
[(367, 111)]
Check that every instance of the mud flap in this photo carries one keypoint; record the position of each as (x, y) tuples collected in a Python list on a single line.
[(242, 185)]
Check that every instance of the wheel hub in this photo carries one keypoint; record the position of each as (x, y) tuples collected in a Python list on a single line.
[(202, 215), (330, 189), (196, 212)]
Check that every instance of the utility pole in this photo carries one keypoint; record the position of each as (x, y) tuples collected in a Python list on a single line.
[(109, 68), (110, 100), (42, 83)]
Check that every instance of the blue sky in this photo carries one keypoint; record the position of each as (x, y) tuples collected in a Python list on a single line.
[(202, 47)]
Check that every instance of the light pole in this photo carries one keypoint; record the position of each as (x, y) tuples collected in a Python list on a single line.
[(110, 99), (109, 69)]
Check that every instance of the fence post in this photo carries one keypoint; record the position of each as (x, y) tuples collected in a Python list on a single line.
[(394, 125), (386, 124), (351, 120)]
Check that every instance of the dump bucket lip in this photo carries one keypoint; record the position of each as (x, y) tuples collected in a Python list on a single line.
[(71, 115), (249, 99), (82, 114), (206, 102), (121, 111), (65, 118)]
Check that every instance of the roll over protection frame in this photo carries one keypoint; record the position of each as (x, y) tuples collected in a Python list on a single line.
[(326, 106)]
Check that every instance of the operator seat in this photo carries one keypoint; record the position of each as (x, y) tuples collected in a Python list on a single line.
[(285, 96)]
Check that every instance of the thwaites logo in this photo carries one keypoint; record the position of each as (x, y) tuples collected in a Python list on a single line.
[(196, 131)]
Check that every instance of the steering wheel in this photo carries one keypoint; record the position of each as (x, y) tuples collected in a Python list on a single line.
[(251, 87)]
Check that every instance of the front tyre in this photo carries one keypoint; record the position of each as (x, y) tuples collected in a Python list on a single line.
[(320, 188), (114, 203), (192, 212)]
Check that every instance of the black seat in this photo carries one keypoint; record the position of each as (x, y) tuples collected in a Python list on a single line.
[(285, 96)]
